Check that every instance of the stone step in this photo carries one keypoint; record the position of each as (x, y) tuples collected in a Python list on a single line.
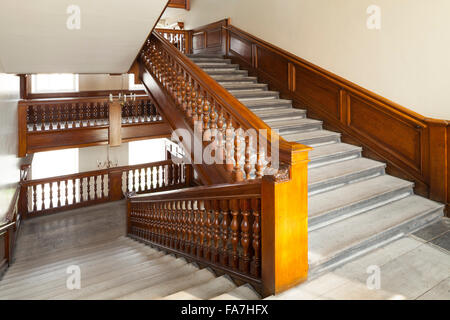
[(342, 203), (267, 104), (342, 241), (205, 56), (143, 282), (332, 153), (169, 287), (109, 288), (216, 65), (294, 125), (280, 114), (336, 175), (210, 289), (230, 72), (210, 60), (50, 283), (233, 78), (254, 94), (95, 276), (243, 86), (245, 292), (314, 138)]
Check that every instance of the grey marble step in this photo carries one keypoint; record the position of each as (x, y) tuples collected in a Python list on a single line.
[(233, 72), (205, 56), (342, 241), (245, 292), (233, 78), (331, 153), (280, 114), (314, 138), (243, 86), (267, 104), (294, 125), (339, 174), (217, 65), (211, 60), (329, 207), (255, 94)]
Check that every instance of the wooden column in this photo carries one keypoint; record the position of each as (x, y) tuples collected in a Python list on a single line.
[(115, 184), (284, 219), (22, 118), (115, 124)]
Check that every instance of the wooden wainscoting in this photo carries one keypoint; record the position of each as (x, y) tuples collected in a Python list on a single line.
[(414, 147), (210, 38), (180, 4)]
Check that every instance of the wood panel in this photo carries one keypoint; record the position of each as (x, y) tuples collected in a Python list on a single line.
[(414, 147), (180, 4), (210, 38)]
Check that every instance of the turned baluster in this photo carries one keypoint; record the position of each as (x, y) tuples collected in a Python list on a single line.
[(202, 229), (220, 152), (151, 178), (244, 264), (51, 195), (74, 191), (216, 231), (59, 118), (133, 181), (42, 108), (248, 165), (35, 118), (234, 263), (187, 100), (201, 102), (195, 228), (192, 107), (255, 268), (178, 225), (189, 227), (237, 170), (160, 223), (176, 177), (50, 117), (259, 163), (58, 193), (34, 205), (81, 187), (208, 229), (170, 174), (224, 207), (184, 220), (229, 165)]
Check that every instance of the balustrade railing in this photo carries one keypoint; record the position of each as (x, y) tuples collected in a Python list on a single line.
[(61, 114), (54, 194), (238, 138), (179, 38), (218, 226)]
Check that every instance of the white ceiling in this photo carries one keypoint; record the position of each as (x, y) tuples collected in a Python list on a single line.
[(34, 37)]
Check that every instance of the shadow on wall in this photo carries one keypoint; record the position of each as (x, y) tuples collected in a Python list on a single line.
[(9, 163)]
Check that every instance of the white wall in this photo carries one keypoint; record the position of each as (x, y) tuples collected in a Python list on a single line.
[(87, 157), (9, 163), (91, 82), (407, 61)]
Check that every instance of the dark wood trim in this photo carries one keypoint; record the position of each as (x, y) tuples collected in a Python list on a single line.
[(180, 4), (210, 38), (414, 147)]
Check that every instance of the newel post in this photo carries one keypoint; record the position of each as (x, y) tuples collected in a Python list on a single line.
[(115, 184), (128, 216), (284, 225)]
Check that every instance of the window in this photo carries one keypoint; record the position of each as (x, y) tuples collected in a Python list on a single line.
[(145, 151), (46, 83), (55, 163), (132, 85)]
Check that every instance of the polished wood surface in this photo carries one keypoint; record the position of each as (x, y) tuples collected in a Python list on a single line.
[(413, 146), (210, 38), (52, 124), (115, 124), (180, 4), (55, 194)]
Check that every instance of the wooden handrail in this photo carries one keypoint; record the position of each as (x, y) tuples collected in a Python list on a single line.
[(179, 38), (202, 99)]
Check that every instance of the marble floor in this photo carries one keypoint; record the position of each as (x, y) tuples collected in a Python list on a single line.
[(413, 267)]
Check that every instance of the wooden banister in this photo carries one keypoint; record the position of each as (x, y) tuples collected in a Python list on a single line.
[(203, 104)]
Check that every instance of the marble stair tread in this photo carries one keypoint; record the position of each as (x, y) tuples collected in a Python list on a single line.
[(342, 173), (142, 282), (205, 55), (371, 228), (161, 290), (226, 72), (253, 94), (280, 113), (313, 138), (97, 276), (110, 287), (335, 152), (204, 291), (217, 65), (293, 124), (355, 198), (243, 86), (245, 292), (233, 78), (267, 104), (210, 60)]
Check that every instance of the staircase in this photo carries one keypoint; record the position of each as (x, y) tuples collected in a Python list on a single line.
[(354, 207), (112, 266)]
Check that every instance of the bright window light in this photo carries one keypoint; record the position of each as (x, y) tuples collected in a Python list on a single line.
[(132, 85), (55, 163), (46, 83), (145, 151)]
